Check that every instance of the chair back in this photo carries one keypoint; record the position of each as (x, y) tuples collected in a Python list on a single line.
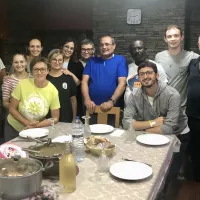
[(102, 117)]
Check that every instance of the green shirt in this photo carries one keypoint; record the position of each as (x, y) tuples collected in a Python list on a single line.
[(34, 102)]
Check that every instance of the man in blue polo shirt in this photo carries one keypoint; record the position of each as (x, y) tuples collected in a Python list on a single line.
[(104, 77)]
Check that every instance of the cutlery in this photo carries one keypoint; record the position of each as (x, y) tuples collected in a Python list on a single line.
[(126, 159)]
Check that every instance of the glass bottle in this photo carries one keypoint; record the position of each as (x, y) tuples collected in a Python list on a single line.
[(87, 130), (130, 134), (67, 171)]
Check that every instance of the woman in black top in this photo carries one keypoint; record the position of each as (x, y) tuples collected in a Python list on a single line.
[(64, 84), (74, 68)]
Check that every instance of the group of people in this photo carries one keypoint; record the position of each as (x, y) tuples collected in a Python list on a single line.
[(157, 94)]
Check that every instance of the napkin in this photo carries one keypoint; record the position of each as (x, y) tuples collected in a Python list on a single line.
[(117, 133)]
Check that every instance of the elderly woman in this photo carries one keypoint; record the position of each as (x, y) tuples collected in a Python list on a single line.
[(31, 101), (35, 48), (65, 85), (74, 68), (18, 72)]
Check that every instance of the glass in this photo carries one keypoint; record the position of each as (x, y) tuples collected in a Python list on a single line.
[(55, 60), (42, 70), (88, 50), (141, 74), (87, 130), (103, 162), (130, 134), (52, 129)]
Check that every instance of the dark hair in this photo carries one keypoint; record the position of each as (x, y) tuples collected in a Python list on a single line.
[(148, 64), (87, 41), (74, 56), (37, 60), (174, 26), (130, 47)]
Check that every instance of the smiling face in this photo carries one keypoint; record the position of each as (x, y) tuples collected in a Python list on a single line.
[(68, 49), (35, 47), (174, 38), (106, 47), (19, 63), (147, 77), (40, 72), (138, 51), (87, 51), (56, 61)]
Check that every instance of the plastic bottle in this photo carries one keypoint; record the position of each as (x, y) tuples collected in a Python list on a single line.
[(67, 172), (78, 139)]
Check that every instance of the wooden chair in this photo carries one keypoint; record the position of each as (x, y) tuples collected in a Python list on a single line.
[(102, 117)]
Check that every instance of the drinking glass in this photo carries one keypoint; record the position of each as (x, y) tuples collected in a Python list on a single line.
[(52, 129), (130, 134), (87, 130)]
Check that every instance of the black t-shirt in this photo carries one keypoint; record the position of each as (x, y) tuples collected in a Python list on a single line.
[(66, 89), (193, 99)]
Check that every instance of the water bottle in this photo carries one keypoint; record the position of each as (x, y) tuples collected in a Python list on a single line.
[(77, 139)]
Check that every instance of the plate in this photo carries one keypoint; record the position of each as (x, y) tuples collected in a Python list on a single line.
[(63, 139), (129, 170), (152, 139), (34, 132), (8, 150), (101, 128)]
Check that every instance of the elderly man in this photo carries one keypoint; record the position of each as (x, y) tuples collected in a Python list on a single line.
[(175, 61), (137, 49), (87, 51), (193, 112), (104, 77)]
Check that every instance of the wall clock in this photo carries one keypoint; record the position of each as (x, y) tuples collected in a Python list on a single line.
[(134, 16)]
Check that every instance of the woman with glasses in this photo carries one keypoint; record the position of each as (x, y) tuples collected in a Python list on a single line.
[(31, 100), (17, 73), (74, 68), (65, 85), (35, 48)]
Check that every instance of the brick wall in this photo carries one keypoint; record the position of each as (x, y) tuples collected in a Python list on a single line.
[(109, 17)]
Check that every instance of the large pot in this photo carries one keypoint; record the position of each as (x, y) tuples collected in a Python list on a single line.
[(20, 178), (49, 152)]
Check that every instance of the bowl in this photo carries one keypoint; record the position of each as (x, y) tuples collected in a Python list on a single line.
[(94, 146)]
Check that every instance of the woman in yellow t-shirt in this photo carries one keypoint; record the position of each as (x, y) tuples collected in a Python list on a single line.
[(31, 101)]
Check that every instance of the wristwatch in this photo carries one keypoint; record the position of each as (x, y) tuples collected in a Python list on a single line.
[(152, 123), (112, 101)]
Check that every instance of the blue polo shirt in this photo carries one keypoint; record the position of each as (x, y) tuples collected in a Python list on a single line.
[(104, 76)]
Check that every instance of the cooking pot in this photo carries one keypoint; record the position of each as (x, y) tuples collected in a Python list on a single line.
[(49, 152), (20, 177)]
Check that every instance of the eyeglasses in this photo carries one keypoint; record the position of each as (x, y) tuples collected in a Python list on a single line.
[(148, 73), (88, 50), (42, 70), (55, 60)]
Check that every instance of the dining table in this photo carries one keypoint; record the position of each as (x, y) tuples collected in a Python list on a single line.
[(92, 185)]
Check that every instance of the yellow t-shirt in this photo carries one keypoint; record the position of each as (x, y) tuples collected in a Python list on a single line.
[(34, 102)]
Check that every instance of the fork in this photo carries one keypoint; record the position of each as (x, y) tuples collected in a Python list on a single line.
[(126, 159)]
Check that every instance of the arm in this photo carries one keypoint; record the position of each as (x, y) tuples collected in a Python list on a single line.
[(2, 74), (6, 92), (106, 106), (13, 110), (76, 80), (74, 106), (85, 92)]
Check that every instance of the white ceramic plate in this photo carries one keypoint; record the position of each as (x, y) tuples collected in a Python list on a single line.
[(63, 139), (152, 139), (101, 128), (34, 132), (129, 170), (8, 150)]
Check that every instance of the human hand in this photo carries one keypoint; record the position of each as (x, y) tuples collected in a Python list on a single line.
[(106, 106), (66, 72), (90, 105), (159, 121)]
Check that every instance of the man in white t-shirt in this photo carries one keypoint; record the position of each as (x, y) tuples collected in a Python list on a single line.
[(137, 49), (175, 61)]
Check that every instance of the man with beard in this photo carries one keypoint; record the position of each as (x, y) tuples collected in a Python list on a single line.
[(137, 49), (156, 108), (193, 113), (175, 61)]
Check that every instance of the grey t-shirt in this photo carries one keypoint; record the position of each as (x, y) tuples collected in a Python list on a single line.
[(176, 68)]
